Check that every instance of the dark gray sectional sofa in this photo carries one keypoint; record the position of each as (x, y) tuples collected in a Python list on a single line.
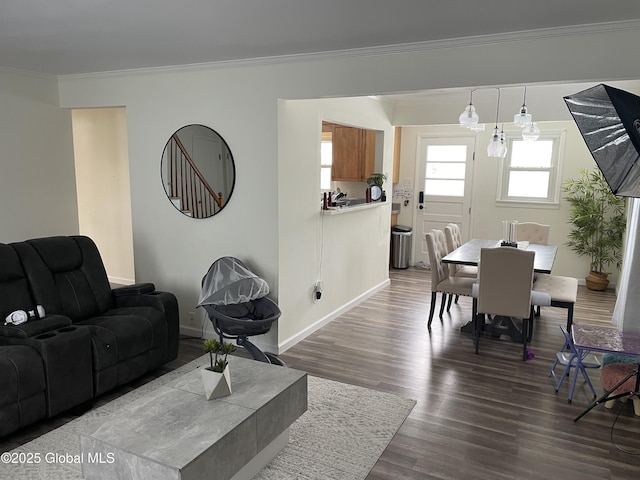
[(91, 339)]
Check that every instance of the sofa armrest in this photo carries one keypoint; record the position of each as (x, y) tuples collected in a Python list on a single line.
[(34, 327), (135, 289), (165, 302)]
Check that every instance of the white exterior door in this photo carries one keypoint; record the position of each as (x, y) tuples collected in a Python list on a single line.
[(443, 182)]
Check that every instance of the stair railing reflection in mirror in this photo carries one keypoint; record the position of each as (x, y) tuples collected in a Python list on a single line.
[(188, 186)]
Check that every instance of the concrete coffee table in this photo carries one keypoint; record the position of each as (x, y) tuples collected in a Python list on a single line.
[(175, 433)]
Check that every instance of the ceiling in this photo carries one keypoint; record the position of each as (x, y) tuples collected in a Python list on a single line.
[(63, 37)]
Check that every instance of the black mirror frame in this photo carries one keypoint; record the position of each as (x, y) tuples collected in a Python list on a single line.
[(196, 192)]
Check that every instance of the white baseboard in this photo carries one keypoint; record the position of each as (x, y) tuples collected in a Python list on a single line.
[(262, 341), (120, 281), (190, 331), (291, 341), (197, 332), (613, 285)]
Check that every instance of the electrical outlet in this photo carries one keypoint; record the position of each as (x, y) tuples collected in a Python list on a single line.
[(317, 291), (192, 318)]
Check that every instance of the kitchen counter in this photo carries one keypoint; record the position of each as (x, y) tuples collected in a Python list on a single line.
[(352, 208)]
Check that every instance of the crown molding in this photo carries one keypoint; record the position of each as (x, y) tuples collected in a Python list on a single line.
[(26, 73), (477, 40)]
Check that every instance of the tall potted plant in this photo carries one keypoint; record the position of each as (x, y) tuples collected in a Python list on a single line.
[(598, 221)]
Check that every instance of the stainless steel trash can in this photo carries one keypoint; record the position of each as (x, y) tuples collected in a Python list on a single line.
[(401, 246)]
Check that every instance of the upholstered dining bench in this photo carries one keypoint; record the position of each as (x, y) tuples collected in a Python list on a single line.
[(563, 292)]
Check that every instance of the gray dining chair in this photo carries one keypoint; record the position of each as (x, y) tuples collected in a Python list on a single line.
[(533, 233), (504, 289), (441, 280), (454, 240)]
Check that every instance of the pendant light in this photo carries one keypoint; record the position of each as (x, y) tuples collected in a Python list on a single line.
[(531, 132), (469, 118), (503, 143), (523, 117), (493, 150), (495, 147)]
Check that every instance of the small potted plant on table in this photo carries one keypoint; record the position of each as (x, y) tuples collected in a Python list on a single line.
[(216, 378)]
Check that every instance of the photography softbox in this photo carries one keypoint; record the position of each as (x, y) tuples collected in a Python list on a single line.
[(609, 122)]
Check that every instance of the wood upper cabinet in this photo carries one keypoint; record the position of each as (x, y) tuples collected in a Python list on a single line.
[(395, 178), (368, 154), (354, 153), (347, 162)]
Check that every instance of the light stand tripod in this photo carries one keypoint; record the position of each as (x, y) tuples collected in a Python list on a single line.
[(605, 398)]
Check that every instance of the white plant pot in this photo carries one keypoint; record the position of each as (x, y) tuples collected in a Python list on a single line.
[(216, 384)]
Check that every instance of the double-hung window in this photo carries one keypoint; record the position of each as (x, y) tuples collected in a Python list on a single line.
[(531, 171)]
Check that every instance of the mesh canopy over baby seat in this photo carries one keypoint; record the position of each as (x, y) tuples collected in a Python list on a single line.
[(235, 300)]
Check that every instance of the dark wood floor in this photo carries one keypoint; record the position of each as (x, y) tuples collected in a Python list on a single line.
[(486, 416)]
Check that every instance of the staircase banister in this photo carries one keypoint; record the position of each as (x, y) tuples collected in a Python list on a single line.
[(196, 170)]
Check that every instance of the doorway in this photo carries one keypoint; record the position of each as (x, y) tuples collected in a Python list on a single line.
[(444, 177), (101, 154)]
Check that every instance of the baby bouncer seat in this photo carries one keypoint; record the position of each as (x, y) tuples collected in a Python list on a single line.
[(235, 300)]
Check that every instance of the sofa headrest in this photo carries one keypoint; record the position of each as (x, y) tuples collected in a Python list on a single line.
[(14, 287), (11, 266), (60, 254), (66, 275)]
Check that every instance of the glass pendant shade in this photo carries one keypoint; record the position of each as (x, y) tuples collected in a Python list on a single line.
[(531, 132), (522, 118), (494, 149), (469, 118), (503, 145)]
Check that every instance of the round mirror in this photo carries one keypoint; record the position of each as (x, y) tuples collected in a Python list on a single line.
[(198, 172)]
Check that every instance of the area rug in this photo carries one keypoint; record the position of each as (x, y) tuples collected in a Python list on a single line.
[(341, 436)]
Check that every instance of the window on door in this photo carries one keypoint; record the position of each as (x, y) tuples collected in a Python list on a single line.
[(530, 172), (445, 170), (445, 174)]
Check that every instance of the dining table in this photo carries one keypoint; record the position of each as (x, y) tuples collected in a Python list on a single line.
[(469, 254)]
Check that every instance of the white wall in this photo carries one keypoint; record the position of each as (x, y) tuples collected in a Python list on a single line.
[(546, 103), (240, 101), (348, 252), (104, 194), (170, 249), (37, 181), (486, 216)]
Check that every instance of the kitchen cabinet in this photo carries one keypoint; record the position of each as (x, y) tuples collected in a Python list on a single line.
[(368, 154), (395, 178), (354, 153)]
